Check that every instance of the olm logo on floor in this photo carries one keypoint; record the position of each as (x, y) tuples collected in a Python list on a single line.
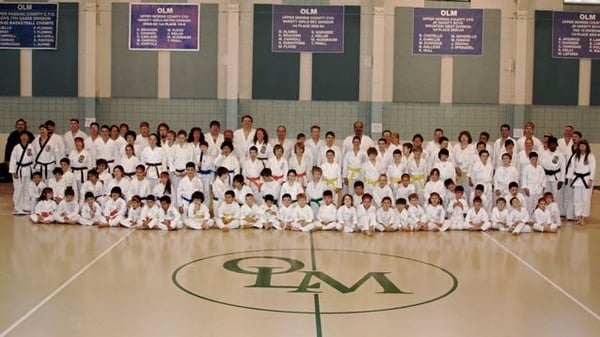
[(293, 280)]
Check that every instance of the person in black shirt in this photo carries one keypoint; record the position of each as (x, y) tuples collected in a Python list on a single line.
[(13, 138)]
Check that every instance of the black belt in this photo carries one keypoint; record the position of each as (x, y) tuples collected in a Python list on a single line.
[(156, 165), (129, 174), (80, 169), (551, 172), (581, 176), (20, 167), (45, 165), (179, 171)]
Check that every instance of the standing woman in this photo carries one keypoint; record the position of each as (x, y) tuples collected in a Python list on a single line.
[(584, 165), (21, 167), (47, 152), (464, 152), (155, 159)]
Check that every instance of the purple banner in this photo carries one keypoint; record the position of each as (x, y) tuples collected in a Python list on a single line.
[(164, 26), (308, 29), (448, 31), (575, 35), (28, 26)]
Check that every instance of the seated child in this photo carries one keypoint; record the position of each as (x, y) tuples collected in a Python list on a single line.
[(169, 218), (114, 209), (386, 216), (91, 212), (269, 212), (477, 218), (250, 216), (68, 209), (150, 214), (134, 214), (197, 216), (44, 210), (228, 213), (542, 218)]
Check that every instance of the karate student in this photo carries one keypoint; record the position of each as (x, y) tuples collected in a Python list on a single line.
[(499, 217), (34, 190), (434, 184), (269, 211), (479, 192), (219, 187), (188, 185), (584, 166), (396, 170), (477, 218), (402, 214), (44, 210), (332, 173), (367, 215), (457, 209), (206, 169), (436, 215), (68, 209), (250, 216), (134, 213), (552, 207), (405, 188), (278, 164), (417, 219), (382, 190), (302, 163), (57, 184), (129, 161), (106, 148), (114, 209), (150, 214), (518, 219), (155, 159), (164, 187), (303, 216), (418, 169), (553, 162), (269, 185), (119, 180), (240, 189), (92, 185), (386, 216), (330, 146), (286, 213), (370, 171), (533, 181), (91, 212), (347, 218), (47, 149), (315, 189), (542, 218), (180, 154), (197, 214), (291, 186), (139, 185), (252, 168), (21, 168), (228, 160), (228, 214), (102, 170), (504, 175), (445, 166), (327, 214), (169, 218), (482, 173), (353, 162), (68, 176)]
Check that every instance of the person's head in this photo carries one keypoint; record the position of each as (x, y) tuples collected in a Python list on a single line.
[(459, 191), (89, 198), (315, 132), (154, 140), (533, 158), (203, 146), (51, 126), (505, 130), (382, 180), (74, 124), (444, 142), (136, 201), (101, 165), (57, 172), (449, 184), (506, 159), (366, 200), (356, 142), (513, 187), (190, 169), (434, 199), (69, 194), (413, 199), (198, 197), (165, 202), (329, 138), (162, 130), (328, 197), (114, 131), (21, 124), (229, 196), (541, 203), (405, 179), (228, 135), (480, 146), (417, 152), (140, 172), (105, 132), (509, 145), (123, 129), (261, 136), (501, 203), (291, 175), (278, 150), (387, 135), (115, 192), (249, 199), (417, 139), (583, 147), (330, 156), (181, 137), (164, 178), (23, 137), (397, 156), (94, 129), (43, 130), (477, 203), (515, 203), (150, 201), (434, 174), (299, 148), (400, 204), (286, 199), (359, 187), (479, 189), (92, 175), (65, 164), (386, 203), (464, 137), (301, 138), (529, 129), (359, 128), (269, 200), (144, 129), (226, 148), (36, 177), (238, 181), (247, 121), (214, 127), (301, 199), (347, 200), (130, 137), (281, 132), (552, 143), (484, 136), (407, 148), (372, 153), (47, 194), (118, 172), (443, 155), (267, 175), (484, 155)]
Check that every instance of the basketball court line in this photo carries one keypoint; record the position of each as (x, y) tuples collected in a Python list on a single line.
[(544, 277), (316, 296), (63, 286)]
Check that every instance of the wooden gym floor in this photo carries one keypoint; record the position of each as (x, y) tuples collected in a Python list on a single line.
[(84, 281)]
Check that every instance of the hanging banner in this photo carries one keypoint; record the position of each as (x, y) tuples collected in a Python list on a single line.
[(164, 26), (308, 29), (28, 25), (575, 35), (451, 31)]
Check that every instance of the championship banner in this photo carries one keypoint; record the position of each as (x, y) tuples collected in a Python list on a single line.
[(28, 25), (575, 35)]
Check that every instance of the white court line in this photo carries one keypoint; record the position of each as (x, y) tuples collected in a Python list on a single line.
[(556, 286), (63, 286)]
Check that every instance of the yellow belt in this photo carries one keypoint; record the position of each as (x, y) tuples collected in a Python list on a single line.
[(418, 178), (395, 180), (330, 181), (371, 182), (353, 171)]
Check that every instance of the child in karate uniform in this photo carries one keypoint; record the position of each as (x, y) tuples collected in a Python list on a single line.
[(386, 216), (500, 215), (91, 212), (114, 209), (150, 214), (542, 218), (269, 212), (477, 218), (44, 210), (315, 189), (286, 213), (417, 219), (228, 214), (303, 216), (197, 215), (68, 208), (457, 209), (169, 218), (34, 190), (367, 215), (402, 214), (134, 213), (436, 215), (250, 216), (327, 214), (519, 220)]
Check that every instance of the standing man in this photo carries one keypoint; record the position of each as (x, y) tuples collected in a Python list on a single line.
[(214, 138), (288, 146), (365, 141), (315, 143), (499, 144), (57, 138), (243, 137), (74, 132), (142, 139), (528, 132)]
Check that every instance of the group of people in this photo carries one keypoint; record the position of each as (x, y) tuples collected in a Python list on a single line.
[(243, 179)]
